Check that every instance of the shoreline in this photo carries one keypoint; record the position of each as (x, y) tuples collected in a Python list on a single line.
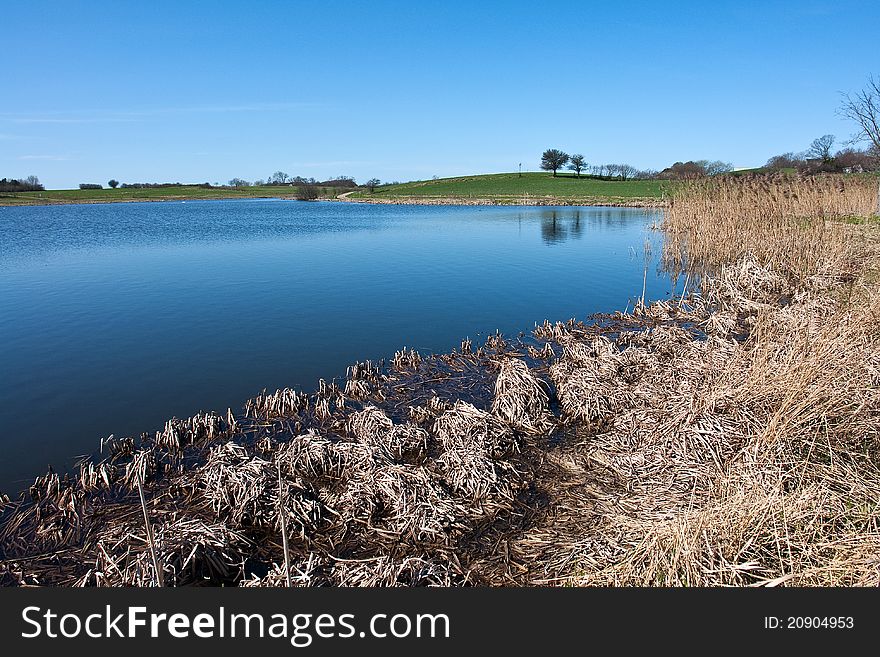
[(416, 200), (547, 201)]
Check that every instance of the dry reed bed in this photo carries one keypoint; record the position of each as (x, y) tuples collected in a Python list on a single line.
[(750, 457), (363, 484), (726, 438)]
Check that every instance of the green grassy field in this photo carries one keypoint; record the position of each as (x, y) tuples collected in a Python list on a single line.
[(182, 192), (498, 188), (512, 186)]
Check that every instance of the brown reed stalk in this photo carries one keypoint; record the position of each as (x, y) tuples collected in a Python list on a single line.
[(160, 576), (282, 512)]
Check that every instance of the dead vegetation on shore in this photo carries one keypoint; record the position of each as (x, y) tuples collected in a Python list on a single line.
[(511, 199), (728, 437)]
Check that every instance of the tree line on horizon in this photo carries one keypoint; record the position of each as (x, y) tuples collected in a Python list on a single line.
[(554, 159), (820, 157), (29, 184), (279, 178)]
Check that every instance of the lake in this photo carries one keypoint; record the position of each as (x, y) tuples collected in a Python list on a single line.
[(116, 317)]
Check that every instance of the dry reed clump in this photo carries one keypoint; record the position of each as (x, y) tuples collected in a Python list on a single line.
[(389, 572), (312, 457), (403, 502), (198, 429), (244, 491), (520, 398), (59, 512), (282, 403), (406, 360), (192, 552), (362, 380), (474, 444), (594, 380), (384, 571), (745, 286), (466, 425), (403, 443)]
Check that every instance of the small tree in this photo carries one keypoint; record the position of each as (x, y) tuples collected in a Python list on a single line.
[(307, 192), (577, 164), (820, 148), (278, 178), (786, 161), (372, 184), (553, 159), (113, 183), (626, 171), (239, 182)]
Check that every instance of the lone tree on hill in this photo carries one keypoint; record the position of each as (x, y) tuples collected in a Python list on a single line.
[(553, 159), (372, 184), (577, 164), (114, 183)]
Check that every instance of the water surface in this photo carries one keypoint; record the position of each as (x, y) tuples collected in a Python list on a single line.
[(115, 317)]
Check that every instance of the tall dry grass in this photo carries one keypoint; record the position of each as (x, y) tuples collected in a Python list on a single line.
[(757, 460), (785, 222)]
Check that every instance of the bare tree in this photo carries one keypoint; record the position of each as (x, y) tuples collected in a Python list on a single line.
[(714, 167), (682, 171), (864, 109), (577, 164), (786, 161), (34, 182), (372, 184), (278, 178), (820, 148), (851, 160), (626, 171), (239, 182), (553, 159)]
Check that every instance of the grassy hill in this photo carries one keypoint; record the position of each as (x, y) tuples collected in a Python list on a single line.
[(513, 188), (501, 188)]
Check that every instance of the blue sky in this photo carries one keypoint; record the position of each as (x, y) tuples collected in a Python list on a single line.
[(195, 92)]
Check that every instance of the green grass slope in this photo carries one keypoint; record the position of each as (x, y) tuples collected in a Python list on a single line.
[(510, 186)]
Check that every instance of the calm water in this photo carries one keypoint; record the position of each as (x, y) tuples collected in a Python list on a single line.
[(116, 317)]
